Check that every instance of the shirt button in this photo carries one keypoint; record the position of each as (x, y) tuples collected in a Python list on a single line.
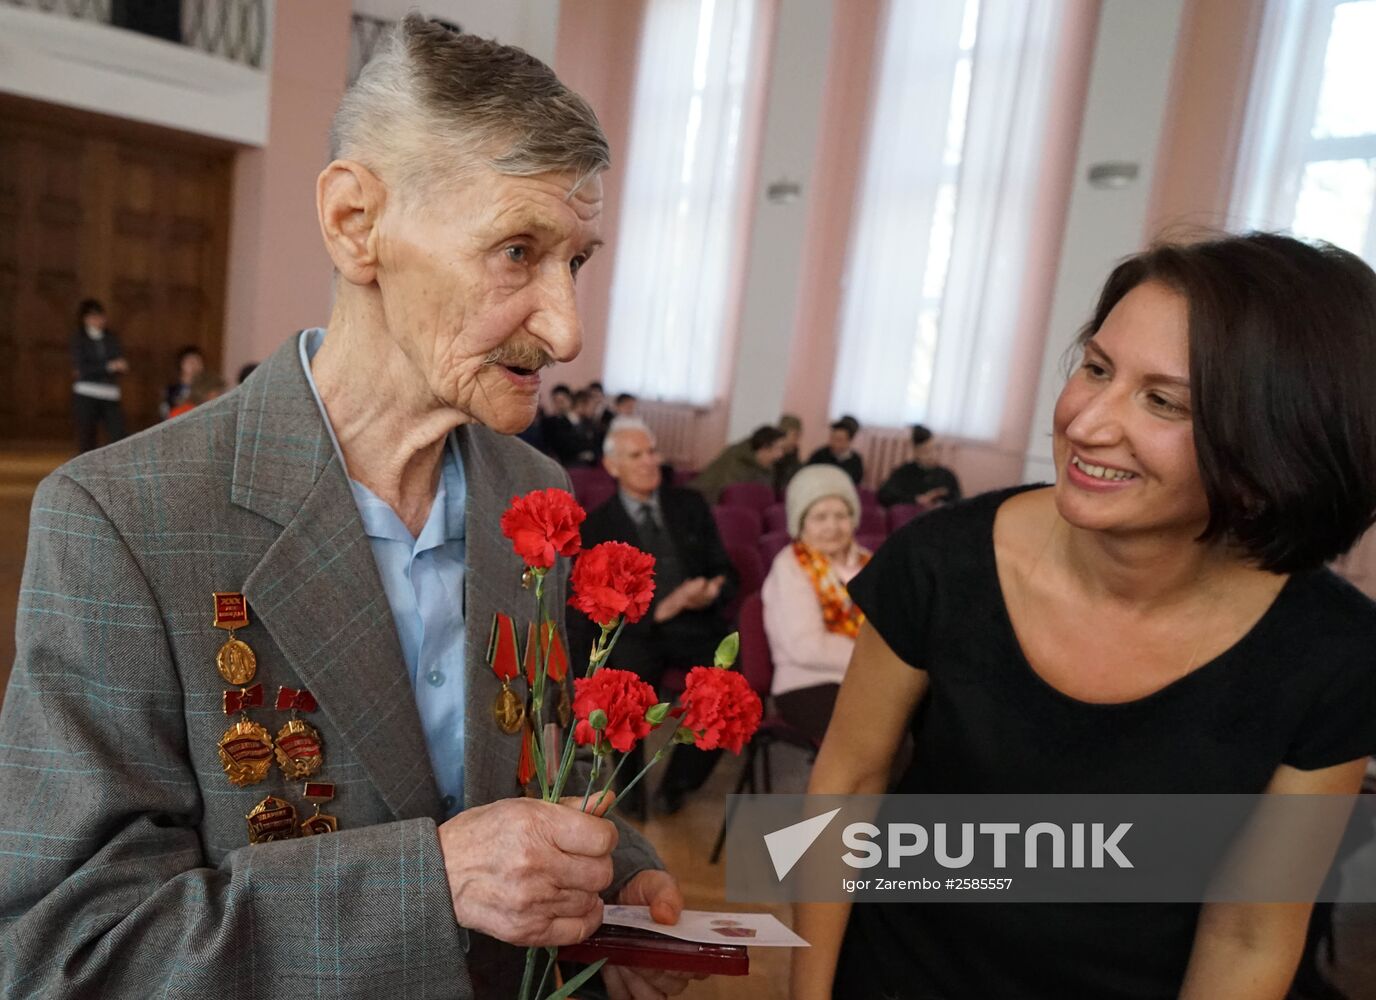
[(435, 679), (448, 802)]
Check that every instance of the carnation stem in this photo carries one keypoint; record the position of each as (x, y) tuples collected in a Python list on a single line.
[(529, 977), (537, 700), (592, 778), (612, 779), (659, 755)]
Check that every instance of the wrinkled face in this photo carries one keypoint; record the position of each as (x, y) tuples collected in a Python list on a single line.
[(634, 462), (1123, 437), (477, 283), (828, 527), (838, 441)]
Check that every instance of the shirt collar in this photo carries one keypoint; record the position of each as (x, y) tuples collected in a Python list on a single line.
[(634, 506), (446, 519)]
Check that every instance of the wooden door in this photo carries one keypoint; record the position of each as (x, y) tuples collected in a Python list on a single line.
[(133, 215)]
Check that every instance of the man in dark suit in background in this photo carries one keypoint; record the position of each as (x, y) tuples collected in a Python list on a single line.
[(694, 582)]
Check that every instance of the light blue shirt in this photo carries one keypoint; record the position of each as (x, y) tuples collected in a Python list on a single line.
[(423, 578)]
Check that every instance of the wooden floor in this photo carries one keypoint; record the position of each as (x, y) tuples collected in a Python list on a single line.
[(684, 840)]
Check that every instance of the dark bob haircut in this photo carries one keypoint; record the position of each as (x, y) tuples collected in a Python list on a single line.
[(1282, 386)]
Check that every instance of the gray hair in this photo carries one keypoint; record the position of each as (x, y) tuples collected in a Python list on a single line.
[(432, 102), (620, 426)]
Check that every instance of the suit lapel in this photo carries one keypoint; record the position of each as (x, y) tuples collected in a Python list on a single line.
[(317, 590)]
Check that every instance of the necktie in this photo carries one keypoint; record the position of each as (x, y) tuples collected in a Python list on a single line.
[(655, 540)]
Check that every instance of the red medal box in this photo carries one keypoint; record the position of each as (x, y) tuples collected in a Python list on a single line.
[(648, 950)]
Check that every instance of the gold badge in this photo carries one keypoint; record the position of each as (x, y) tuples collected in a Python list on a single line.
[(235, 660), (246, 747), (272, 819), (318, 822), (299, 750), (503, 655)]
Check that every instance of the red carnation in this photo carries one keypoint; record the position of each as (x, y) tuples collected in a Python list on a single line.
[(721, 708), (542, 525), (625, 699), (611, 580)]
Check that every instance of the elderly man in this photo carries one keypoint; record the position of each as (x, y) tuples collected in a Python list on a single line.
[(337, 516), (694, 579)]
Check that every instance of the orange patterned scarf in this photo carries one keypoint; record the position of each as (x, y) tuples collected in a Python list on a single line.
[(838, 611)]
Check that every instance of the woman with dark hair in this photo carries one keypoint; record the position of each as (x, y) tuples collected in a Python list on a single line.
[(97, 363), (1158, 621)]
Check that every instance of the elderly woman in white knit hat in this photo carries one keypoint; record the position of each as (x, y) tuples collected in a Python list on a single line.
[(808, 616)]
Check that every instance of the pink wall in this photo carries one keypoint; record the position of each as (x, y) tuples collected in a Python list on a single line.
[(595, 54), (1205, 112), (279, 274)]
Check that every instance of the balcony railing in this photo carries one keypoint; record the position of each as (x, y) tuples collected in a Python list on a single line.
[(236, 30)]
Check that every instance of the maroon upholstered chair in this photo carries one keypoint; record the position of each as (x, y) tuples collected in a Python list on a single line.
[(737, 525), (756, 496), (750, 575), (592, 485), (873, 520), (901, 513), (771, 545), (756, 664), (775, 518), (870, 541)]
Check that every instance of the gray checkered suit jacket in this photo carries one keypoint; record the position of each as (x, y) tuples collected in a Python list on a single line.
[(124, 865)]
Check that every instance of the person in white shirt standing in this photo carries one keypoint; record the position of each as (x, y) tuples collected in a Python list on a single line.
[(97, 364)]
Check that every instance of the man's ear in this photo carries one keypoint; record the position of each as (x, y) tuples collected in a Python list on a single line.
[(349, 199)]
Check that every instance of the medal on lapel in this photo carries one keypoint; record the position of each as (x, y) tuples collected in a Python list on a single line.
[(504, 658), (235, 660), (299, 750), (246, 747), (556, 666), (317, 823), (272, 819)]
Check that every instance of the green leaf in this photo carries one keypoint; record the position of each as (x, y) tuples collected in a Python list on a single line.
[(727, 651), (658, 713), (567, 989), (685, 736), (598, 719)]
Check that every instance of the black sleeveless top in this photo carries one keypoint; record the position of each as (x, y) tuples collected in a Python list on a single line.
[(1298, 689)]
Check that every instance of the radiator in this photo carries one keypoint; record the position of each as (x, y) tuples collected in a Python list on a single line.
[(676, 429)]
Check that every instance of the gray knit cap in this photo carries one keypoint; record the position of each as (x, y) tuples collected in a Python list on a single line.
[(815, 482)]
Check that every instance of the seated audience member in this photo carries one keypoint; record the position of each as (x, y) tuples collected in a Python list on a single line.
[(789, 462), (577, 440), (204, 387), (837, 451), (808, 616), (554, 424), (602, 414), (625, 405), (748, 461), (190, 363), (694, 582), (923, 481)]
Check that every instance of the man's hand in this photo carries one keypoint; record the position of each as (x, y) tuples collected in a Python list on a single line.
[(659, 891), (118, 366), (690, 595), (528, 872)]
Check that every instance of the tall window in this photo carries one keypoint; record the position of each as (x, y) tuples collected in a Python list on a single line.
[(682, 197), (943, 226), (1308, 161)]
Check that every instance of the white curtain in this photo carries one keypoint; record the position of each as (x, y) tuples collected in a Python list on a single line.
[(943, 232), (676, 247), (1307, 162)]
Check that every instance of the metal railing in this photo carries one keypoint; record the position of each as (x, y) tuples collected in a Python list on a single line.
[(236, 30)]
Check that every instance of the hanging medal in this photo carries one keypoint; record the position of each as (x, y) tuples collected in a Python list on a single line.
[(317, 823), (272, 819), (235, 660), (246, 747), (299, 749), (503, 656), (556, 666)]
